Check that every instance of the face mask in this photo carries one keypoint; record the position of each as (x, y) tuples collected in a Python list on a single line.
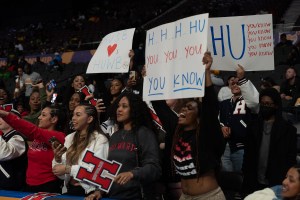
[(267, 112)]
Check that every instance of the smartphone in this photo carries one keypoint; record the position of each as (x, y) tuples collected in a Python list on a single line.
[(51, 85), (54, 96), (132, 75), (53, 140)]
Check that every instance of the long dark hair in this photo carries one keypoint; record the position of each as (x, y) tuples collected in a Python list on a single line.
[(179, 130), (81, 99), (60, 113), (80, 143), (110, 96), (68, 90), (69, 127), (139, 111)]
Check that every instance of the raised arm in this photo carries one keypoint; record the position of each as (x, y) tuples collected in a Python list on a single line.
[(210, 110), (30, 130), (207, 61), (248, 90)]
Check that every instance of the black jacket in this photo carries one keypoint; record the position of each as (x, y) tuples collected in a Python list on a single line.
[(282, 150), (237, 121)]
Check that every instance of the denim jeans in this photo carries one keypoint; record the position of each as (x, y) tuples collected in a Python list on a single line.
[(232, 162), (237, 160), (226, 161)]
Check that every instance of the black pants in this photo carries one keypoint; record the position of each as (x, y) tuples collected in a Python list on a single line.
[(51, 187), (75, 190)]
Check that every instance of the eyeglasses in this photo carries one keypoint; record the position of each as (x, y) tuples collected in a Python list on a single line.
[(267, 104)]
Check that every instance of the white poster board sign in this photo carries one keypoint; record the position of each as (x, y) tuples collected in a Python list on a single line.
[(111, 55), (245, 40), (174, 53)]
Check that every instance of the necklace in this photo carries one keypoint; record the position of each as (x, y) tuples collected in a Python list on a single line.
[(123, 135)]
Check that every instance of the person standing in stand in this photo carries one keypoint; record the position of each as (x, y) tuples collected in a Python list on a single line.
[(87, 135), (198, 144), (39, 175)]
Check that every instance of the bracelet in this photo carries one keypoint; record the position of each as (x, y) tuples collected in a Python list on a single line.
[(67, 169)]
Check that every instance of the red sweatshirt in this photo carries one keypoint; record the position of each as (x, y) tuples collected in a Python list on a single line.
[(40, 153)]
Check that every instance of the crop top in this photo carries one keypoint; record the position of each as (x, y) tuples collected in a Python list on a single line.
[(184, 155)]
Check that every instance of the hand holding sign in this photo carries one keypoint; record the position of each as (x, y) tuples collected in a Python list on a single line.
[(207, 60), (91, 99), (124, 177), (102, 174), (95, 195)]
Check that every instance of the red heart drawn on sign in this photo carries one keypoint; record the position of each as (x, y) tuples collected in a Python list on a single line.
[(111, 49)]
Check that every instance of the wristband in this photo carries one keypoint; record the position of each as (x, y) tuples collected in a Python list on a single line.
[(67, 169)]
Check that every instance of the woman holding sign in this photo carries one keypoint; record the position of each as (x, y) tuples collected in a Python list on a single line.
[(198, 144), (135, 146), (68, 157)]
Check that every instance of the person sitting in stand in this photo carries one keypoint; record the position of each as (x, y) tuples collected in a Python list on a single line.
[(289, 190)]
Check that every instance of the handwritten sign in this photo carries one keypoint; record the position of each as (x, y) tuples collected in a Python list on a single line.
[(98, 171), (174, 53), (111, 55), (245, 40)]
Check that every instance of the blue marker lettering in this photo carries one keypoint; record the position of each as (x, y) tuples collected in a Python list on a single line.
[(229, 42), (150, 39), (178, 30), (221, 38), (163, 34)]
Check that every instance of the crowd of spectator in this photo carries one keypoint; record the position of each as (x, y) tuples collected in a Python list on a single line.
[(35, 97), (83, 27), (106, 115)]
